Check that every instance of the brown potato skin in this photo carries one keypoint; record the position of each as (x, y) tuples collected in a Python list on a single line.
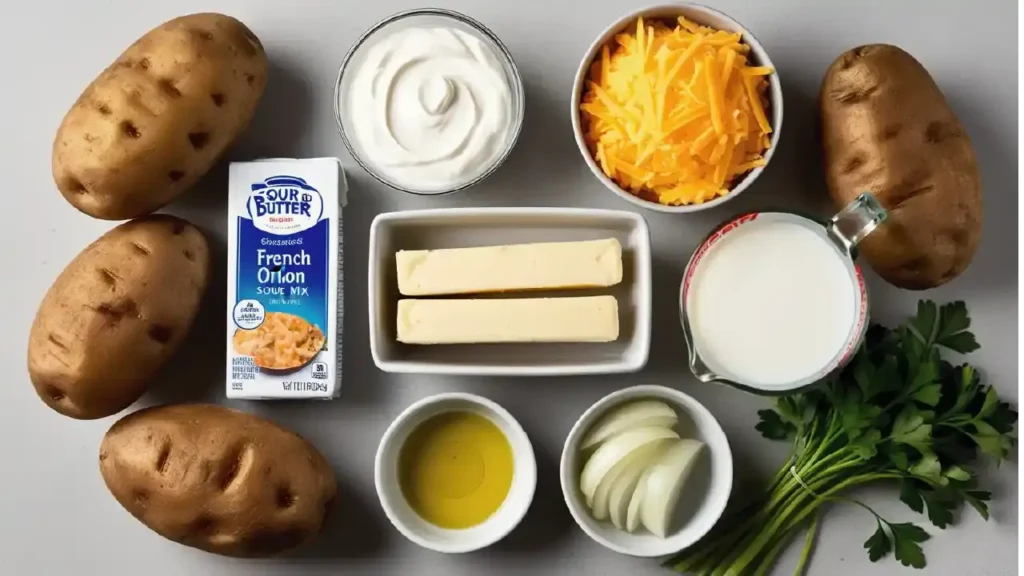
[(155, 121), (887, 129), (116, 314), (217, 479)]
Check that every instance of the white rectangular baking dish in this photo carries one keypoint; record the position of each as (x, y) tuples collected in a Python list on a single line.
[(464, 227)]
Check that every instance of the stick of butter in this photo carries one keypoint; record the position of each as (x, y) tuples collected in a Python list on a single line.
[(475, 321), (545, 266)]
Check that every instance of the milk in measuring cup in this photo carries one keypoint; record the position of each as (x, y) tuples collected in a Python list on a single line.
[(771, 303)]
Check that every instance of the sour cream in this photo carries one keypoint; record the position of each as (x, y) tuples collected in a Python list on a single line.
[(430, 108), (771, 303)]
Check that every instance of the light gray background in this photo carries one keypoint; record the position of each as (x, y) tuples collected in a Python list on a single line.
[(56, 516)]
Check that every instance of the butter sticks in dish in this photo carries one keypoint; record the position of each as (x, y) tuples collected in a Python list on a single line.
[(492, 283), (487, 273)]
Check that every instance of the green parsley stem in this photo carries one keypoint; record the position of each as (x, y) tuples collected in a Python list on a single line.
[(802, 505), (773, 553), (809, 540)]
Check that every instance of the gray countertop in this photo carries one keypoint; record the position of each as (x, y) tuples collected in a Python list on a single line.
[(56, 516)]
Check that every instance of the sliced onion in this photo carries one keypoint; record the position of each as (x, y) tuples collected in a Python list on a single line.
[(665, 482), (621, 491), (633, 512), (641, 414), (613, 451), (630, 466), (599, 509)]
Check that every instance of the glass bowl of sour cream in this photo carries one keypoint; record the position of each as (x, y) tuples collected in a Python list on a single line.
[(429, 101)]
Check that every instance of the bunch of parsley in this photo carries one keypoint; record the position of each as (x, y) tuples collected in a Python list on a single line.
[(896, 413)]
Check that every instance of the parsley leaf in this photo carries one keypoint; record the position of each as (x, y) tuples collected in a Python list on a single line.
[(898, 457), (964, 384), (909, 428), (978, 500), (911, 348), (863, 374), (906, 539), (929, 468), (866, 445), (969, 379), (930, 394), (927, 372), (873, 381), (858, 416), (991, 441), (910, 494), (924, 322), (941, 505), (888, 374), (953, 318), (772, 427), (953, 325), (955, 472), (990, 404), (962, 342), (878, 544), (787, 410), (1003, 419)]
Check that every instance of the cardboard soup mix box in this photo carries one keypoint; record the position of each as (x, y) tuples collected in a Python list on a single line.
[(285, 280)]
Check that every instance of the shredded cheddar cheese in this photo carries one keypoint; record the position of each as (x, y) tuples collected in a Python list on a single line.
[(675, 115)]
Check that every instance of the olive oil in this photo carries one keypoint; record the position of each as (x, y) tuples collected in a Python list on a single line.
[(455, 469)]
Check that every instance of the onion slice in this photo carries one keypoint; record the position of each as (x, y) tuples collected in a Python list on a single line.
[(641, 414), (629, 467), (633, 512), (665, 482), (621, 491), (613, 451)]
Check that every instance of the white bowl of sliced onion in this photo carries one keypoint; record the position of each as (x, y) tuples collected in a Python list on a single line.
[(646, 471)]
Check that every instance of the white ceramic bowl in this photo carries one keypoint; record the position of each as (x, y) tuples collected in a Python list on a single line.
[(704, 497), (401, 515), (701, 15), (464, 227)]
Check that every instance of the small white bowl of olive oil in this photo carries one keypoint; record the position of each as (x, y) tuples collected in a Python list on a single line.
[(455, 473)]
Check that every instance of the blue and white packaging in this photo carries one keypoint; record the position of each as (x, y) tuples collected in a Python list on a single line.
[(285, 278)]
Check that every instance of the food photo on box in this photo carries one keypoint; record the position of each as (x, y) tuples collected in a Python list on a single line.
[(483, 288)]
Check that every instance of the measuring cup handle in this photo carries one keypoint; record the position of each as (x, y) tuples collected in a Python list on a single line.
[(854, 222)]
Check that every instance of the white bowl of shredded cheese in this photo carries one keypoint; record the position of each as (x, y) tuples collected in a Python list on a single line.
[(666, 136)]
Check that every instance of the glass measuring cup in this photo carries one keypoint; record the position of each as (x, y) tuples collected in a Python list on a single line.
[(842, 233)]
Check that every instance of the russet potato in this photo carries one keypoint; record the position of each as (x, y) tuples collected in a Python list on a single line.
[(887, 129), (155, 121), (116, 314), (217, 479)]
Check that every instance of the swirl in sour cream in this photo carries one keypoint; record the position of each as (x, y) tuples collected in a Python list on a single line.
[(431, 108)]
